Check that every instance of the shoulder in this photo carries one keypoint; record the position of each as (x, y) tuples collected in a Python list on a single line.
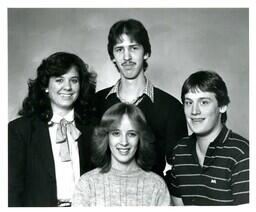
[(23, 122), (238, 143), (103, 92), (183, 144), (186, 139), (91, 174), (25, 126), (19, 120), (166, 98), (155, 179)]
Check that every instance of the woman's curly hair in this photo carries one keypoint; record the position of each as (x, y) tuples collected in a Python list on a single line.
[(38, 103)]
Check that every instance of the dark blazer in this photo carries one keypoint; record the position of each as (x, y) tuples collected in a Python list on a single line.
[(165, 117), (31, 171)]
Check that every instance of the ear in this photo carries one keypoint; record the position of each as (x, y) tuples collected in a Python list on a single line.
[(223, 108), (146, 56), (113, 60)]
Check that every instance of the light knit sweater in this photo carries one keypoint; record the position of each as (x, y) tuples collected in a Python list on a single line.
[(117, 188)]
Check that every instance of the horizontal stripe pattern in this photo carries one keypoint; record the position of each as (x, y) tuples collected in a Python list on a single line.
[(208, 198), (224, 178), (202, 185)]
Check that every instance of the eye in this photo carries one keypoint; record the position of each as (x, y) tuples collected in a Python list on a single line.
[(118, 50), (188, 102), (132, 134), (115, 133), (74, 80), (135, 47), (59, 80), (205, 102)]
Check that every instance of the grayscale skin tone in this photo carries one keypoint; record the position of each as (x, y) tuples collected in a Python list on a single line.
[(129, 57), (203, 116)]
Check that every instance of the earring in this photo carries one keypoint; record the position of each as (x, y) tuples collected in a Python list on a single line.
[(46, 90)]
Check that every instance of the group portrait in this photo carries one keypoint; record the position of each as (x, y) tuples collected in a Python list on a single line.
[(128, 107)]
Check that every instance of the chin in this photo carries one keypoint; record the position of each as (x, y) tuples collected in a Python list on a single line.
[(126, 160), (197, 130), (67, 107)]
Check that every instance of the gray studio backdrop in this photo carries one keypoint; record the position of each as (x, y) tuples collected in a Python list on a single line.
[(183, 41)]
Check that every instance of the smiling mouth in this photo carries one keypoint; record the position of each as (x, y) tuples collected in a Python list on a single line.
[(66, 95), (123, 151), (197, 120)]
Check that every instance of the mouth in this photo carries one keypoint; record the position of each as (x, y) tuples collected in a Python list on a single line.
[(197, 120), (123, 151), (128, 65), (66, 95)]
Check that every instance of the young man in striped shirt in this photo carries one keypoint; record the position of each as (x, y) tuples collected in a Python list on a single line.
[(210, 167)]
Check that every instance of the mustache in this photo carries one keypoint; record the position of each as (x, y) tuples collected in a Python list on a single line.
[(128, 63)]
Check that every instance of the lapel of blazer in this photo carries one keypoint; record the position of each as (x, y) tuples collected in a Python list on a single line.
[(84, 146), (80, 140), (43, 146)]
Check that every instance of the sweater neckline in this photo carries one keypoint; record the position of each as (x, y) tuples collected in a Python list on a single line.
[(125, 173)]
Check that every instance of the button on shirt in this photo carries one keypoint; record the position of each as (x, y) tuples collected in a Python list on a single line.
[(67, 173)]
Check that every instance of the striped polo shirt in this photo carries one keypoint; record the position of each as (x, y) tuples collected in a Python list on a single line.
[(224, 177)]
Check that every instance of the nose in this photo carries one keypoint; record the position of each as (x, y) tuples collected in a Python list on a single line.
[(195, 109), (67, 85), (124, 140), (127, 54)]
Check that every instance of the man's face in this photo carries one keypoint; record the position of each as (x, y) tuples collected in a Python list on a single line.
[(129, 57), (203, 113)]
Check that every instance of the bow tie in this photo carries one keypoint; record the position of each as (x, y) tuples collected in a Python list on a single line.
[(63, 128)]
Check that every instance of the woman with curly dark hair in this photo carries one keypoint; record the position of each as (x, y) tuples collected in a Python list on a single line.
[(48, 145), (123, 152)]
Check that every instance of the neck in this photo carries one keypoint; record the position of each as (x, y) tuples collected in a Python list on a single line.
[(61, 112), (203, 141), (125, 167), (131, 89)]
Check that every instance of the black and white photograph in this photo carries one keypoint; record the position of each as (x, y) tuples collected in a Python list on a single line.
[(128, 105)]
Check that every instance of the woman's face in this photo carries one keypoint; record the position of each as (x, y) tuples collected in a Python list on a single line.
[(123, 143), (63, 91)]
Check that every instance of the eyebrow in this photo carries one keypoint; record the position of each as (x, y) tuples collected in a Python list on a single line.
[(61, 76), (132, 130), (130, 45), (209, 98)]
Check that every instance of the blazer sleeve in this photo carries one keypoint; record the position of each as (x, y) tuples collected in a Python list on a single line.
[(16, 164)]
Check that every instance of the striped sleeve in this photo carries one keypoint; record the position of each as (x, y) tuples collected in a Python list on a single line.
[(240, 180), (172, 180)]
